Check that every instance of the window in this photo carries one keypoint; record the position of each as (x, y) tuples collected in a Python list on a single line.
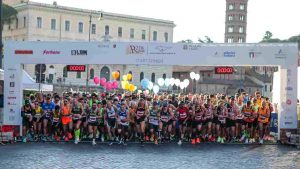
[(24, 22), (164, 76), (105, 73), (231, 7), (241, 40), (230, 40), (131, 33), (143, 34), (93, 28), (106, 30), (39, 22), (67, 25), (241, 17), (153, 77), (80, 27), (17, 23), (166, 37), (130, 72), (154, 35), (230, 17), (51, 77), (78, 75), (242, 7), (230, 29), (241, 29), (120, 32), (92, 73), (266, 88), (65, 72), (141, 76), (53, 24)]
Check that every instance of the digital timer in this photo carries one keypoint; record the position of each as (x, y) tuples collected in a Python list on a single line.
[(76, 68), (224, 70)]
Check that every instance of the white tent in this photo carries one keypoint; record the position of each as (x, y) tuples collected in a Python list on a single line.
[(29, 84)]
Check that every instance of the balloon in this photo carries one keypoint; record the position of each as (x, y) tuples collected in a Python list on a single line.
[(115, 84), (108, 86), (145, 83), (115, 75), (96, 80), (177, 82), (124, 77), (167, 82), (134, 88), (197, 77), (146, 92), (127, 86), (155, 89), (186, 82), (131, 87), (123, 83), (150, 85), (129, 76), (172, 81), (139, 91), (192, 75), (160, 81), (103, 81), (182, 84)]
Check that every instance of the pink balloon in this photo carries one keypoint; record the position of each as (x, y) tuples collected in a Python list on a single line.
[(103, 81), (96, 80), (115, 84), (108, 86)]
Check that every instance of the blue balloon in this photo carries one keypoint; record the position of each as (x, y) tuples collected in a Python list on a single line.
[(145, 83)]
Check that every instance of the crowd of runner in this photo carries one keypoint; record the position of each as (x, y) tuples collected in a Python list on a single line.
[(119, 118)]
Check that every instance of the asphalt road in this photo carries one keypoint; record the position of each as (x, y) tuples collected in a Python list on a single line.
[(68, 155)]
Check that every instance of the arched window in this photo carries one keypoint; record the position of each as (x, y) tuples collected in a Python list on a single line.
[(105, 73), (164, 76), (141, 76), (92, 73), (130, 72), (78, 75), (153, 78), (51, 67), (118, 79), (65, 72)]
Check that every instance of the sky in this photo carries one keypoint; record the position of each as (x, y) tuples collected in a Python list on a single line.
[(198, 18)]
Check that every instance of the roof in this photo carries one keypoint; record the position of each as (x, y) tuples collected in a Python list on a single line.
[(94, 12)]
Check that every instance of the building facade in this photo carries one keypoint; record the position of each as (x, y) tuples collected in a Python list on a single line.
[(51, 22)]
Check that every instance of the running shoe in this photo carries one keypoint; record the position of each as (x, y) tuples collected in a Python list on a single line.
[(247, 141), (94, 142), (222, 140), (76, 141), (70, 136), (90, 136), (24, 140), (44, 138), (193, 141), (198, 140), (242, 138), (147, 138), (156, 142), (179, 143), (66, 139), (110, 143), (219, 140), (102, 138), (152, 138), (117, 139), (57, 138), (261, 141)]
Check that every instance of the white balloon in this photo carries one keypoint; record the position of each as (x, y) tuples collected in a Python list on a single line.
[(186, 82), (177, 82), (150, 86), (155, 89), (182, 85), (160, 81), (139, 91), (167, 82), (172, 81), (197, 76), (192, 75)]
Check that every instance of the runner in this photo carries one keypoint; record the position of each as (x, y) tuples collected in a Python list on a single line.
[(93, 114), (208, 119), (221, 115), (77, 112), (123, 124), (37, 122), (111, 115), (66, 120), (48, 111), (141, 113), (165, 124), (27, 122), (197, 123), (248, 113), (154, 116), (182, 120), (56, 123), (233, 111), (263, 119)]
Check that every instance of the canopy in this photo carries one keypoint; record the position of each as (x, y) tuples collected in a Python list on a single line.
[(29, 84)]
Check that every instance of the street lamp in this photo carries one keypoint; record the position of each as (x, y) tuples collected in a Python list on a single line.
[(1, 43), (87, 65)]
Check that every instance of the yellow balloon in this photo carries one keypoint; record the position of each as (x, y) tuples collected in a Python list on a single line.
[(124, 77), (127, 86), (134, 88), (123, 83), (129, 76), (131, 87)]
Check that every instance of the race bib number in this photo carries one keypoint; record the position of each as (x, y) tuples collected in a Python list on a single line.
[(92, 119), (239, 117), (55, 120), (153, 121)]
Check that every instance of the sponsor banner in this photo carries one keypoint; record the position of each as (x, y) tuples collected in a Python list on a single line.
[(133, 49), (23, 52), (51, 52), (79, 52), (161, 50)]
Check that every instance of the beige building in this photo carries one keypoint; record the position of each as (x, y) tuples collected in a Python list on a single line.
[(51, 22)]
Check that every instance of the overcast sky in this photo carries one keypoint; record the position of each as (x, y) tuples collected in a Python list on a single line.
[(197, 18)]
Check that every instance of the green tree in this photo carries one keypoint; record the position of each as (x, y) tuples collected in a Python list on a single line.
[(268, 36), (9, 13), (207, 40)]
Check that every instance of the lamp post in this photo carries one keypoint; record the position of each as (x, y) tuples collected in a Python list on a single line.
[(1, 43)]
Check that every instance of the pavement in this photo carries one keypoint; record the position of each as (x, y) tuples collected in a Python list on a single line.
[(84, 155)]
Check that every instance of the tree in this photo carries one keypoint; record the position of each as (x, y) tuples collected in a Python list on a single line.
[(8, 13), (268, 36), (207, 40)]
